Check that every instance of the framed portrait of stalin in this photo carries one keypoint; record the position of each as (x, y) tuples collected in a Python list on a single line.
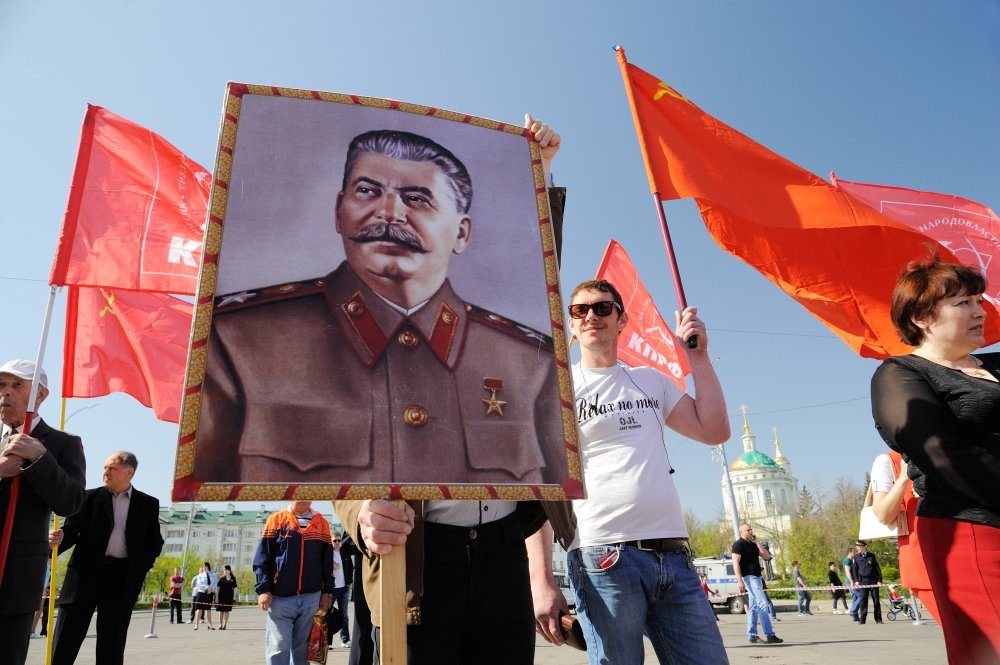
[(378, 309)]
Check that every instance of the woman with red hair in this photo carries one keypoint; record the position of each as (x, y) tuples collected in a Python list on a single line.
[(940, 408)]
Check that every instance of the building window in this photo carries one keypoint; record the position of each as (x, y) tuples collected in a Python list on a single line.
[(767, 498), (228, 547), (175, 533), (230, 533), (749, 499)]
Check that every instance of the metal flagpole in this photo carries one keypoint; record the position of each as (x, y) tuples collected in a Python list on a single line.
[(15, 485), (719, 452), (692, 342)]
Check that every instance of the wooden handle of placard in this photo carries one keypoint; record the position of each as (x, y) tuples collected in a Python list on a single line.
[(392, 590)]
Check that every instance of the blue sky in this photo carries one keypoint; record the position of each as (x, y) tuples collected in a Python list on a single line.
[(895, 92)]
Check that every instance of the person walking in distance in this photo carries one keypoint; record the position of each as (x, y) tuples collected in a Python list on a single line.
[(747, 553)]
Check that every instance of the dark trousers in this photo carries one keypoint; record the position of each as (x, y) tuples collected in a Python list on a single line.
[(44, 628), (113, 617), (363, 645), (176, 604), (341, 597), (72, 624), (15, 632), (476, 605), (863, 607)]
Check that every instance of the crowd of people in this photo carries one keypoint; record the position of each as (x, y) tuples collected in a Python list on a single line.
[(489, 562)]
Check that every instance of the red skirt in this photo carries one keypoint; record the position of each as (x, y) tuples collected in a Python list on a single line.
[(912, 571), (963, 564)]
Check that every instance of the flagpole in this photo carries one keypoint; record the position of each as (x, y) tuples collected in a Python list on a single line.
[(692, 342), (50, 619), (15, 484)]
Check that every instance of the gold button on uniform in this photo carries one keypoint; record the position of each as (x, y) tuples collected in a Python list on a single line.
[(415, 415), (448, 318), (354, 308), (408, 339)]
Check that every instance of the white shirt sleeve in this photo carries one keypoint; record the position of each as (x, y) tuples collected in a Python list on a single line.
[(882, 474)]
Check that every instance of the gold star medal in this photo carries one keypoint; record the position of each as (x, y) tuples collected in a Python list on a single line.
[(493, 405)]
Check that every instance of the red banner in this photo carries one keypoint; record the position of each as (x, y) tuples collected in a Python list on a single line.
[(646, 339), (136, 212), (130, 342), (826, 249), (970, 230)]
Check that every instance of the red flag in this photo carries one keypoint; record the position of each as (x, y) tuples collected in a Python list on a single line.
[(136, 212), (130, 342), (646, 339), (970, 230), (835, 255)]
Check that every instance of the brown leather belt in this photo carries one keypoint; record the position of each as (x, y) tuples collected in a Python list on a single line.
[(657, 544)]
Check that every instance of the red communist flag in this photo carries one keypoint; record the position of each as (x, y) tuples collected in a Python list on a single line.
[(646, 339), (130, 342), (136, 211), (829, 251), (970, 230)]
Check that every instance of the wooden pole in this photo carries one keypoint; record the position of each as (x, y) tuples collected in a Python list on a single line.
[(392, 590)]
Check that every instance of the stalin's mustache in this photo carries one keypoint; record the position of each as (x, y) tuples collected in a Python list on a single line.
[(386, 232)]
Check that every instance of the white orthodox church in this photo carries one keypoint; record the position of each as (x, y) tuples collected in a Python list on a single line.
[(767, 495)]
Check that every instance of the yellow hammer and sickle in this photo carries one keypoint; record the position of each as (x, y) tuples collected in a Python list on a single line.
[(111, 301), (667, 90)]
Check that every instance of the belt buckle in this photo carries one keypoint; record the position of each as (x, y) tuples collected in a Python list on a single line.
[(639, 546)]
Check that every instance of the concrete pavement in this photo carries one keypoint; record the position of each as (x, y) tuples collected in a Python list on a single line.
[(822, 639)]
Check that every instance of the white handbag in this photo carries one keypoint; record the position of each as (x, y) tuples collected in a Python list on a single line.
[(872, 529)]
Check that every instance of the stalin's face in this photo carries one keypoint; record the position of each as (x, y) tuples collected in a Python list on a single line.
[(400, 225)]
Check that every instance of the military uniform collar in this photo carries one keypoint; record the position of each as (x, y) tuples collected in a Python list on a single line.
[(370, 325)]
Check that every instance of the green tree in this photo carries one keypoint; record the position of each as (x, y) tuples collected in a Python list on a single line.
[(823, 532), (157, 581), (706, 539), (807, 504)]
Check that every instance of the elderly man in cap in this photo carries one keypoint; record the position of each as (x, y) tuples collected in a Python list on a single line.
[(53, 473)]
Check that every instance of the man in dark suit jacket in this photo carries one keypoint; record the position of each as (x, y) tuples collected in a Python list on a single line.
[(117, 538), (53, 476)]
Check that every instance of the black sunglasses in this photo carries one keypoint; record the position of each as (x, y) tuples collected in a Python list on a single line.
[(601, 308), (336, 540)]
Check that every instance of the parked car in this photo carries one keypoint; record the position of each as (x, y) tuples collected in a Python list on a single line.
[(722, 578)]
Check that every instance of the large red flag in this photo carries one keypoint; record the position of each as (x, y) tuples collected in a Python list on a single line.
[(970, 230), (136, 211), (835, 255), (130, 342), (646, 339)]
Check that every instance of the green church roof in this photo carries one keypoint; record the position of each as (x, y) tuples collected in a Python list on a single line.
[(754, 459)]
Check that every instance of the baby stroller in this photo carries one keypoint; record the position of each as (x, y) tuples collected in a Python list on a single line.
[(899, 605)]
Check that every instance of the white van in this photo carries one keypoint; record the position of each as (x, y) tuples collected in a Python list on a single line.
[(722, 578)]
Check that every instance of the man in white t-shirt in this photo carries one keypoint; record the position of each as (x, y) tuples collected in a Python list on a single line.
[(629, 564)]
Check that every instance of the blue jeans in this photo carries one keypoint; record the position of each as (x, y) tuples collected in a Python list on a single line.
[(855, 602), (341, 596), (805, 599), (286, 635), (757, 609), (656, 593)]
